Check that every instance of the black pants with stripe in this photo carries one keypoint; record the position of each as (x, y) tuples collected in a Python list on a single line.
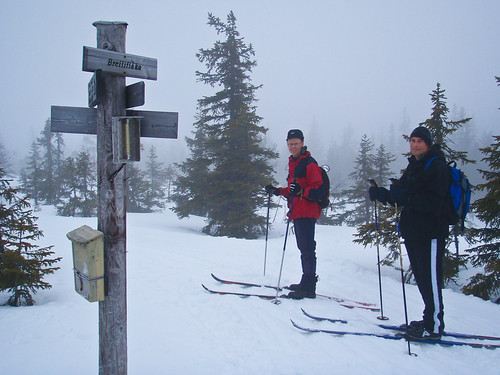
[(426, 258)]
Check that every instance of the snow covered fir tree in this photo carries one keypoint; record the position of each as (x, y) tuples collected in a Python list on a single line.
[(486, 253), (23, 264), (228, 168)]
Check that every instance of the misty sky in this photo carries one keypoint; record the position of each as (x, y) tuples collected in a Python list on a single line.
[(336, 64)]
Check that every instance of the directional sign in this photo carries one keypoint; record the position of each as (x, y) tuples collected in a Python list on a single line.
[(94, 89), (119, 63), (157, 124), (83, 120), (135, 95), (73, 120)]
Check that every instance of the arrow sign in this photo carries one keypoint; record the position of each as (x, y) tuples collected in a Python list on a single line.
[(83, 120), (134, 95), (119, 63)]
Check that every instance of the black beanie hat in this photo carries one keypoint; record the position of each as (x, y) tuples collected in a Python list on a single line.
[(423, 133), (295, 133)]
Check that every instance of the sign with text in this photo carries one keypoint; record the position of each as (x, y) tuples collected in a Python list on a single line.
[(83, 120), (119, 63)]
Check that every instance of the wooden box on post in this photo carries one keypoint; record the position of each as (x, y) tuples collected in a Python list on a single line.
[(88, 262), (126, 134)]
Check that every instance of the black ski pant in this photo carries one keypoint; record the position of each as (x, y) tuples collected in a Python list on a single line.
[(426, 259), (304, 234)]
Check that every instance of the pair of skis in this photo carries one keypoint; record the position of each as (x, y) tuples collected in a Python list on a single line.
[(344, 302), (399, 331), (399, 335)]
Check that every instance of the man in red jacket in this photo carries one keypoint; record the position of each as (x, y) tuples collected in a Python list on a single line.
[(304, 179)]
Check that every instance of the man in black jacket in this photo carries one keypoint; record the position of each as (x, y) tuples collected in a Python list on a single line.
[(422, 191)]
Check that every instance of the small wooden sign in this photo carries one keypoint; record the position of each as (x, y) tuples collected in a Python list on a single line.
[(119, 63), (83, 120), (135, 95), (94, 89)]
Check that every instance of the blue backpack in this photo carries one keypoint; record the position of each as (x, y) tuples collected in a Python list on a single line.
[(459, 194)]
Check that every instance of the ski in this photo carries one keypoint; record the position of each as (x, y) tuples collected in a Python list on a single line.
[(263, 296), (450, 334), (402, 329), (323, 319), (396, 337), (344, 302)]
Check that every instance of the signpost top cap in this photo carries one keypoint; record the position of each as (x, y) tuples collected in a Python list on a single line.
[(109, 23)]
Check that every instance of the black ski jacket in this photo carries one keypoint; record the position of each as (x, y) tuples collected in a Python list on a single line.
[(423, 194)]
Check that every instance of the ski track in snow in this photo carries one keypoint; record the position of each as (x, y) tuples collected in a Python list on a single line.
[(175, 327)]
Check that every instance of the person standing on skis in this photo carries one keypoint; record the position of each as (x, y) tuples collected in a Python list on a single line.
[(422, 191), (304, 179)]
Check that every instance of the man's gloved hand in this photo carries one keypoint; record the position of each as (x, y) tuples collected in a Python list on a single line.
[(378, 193), (373, 192), (270, 189), (295, 189)]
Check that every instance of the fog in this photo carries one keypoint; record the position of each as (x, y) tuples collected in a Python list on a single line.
[(327, 67)]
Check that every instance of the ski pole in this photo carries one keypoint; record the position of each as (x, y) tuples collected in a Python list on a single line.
[(403, 280), (267, 229), (276, 301), (381, 317)]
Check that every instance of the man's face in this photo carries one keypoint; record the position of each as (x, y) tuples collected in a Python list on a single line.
[(295, 146), (418, 147)]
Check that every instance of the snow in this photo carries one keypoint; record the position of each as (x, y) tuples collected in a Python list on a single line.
[(175, 327)]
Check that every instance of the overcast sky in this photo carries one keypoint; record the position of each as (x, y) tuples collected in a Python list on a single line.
[(337, 64)]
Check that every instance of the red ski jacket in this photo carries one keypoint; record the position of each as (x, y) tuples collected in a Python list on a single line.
[(303, 206)]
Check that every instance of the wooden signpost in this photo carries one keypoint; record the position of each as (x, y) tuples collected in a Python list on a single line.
[(107, 90)]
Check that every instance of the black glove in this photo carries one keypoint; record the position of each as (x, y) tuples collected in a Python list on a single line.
[(270, 189), (295, 189), (380, 194)]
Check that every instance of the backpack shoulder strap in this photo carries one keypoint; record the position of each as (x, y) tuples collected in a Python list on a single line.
[(428, 164), (300, 169)]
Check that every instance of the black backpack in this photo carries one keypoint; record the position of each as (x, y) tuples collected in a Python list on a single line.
[(324, 189)]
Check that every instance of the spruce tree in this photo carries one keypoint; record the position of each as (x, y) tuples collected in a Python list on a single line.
[(358, 193), (50, 164), (229, 167), (23, 264), (137, 188), (4, 159), (156, 177), (366, 233), (171, 174), (189, 188), (486, 254), (442, 129), (78, 182), (31, 174)]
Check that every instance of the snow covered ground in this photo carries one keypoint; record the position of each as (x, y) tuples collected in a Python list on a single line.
[(175, 327)]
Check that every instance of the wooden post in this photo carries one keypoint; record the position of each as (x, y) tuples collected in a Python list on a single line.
[(107, 90), (111, 213)]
